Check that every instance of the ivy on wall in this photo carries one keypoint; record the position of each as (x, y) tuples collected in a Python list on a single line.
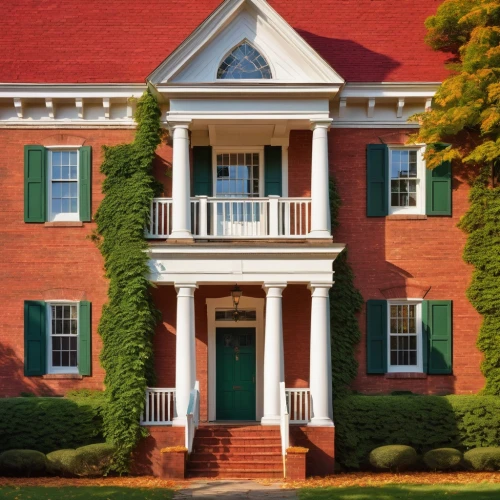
[(129, 318), (345, 303), (482, 250)]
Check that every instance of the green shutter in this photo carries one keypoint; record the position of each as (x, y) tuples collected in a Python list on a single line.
[(85, 183), (202, 171), (425, 336), (376, 336), (438, 190), (84, 338), (377, 174), (272, 171), (35, 338), (439, 337), (35, 184)]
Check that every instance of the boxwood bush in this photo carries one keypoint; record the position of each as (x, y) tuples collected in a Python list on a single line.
[(395, 457), (483, 459), (23, 463), (49, 424), (443, 459), (364, 423)]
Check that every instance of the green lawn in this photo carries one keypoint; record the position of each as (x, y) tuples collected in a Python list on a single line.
[(414, 492), (83, 493)]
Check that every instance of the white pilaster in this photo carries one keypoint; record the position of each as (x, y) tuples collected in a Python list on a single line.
[(185, 350), (320, 356), (274, 366), (181, 190), (320, 199)]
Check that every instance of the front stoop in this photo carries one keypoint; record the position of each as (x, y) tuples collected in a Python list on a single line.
[(236, 452)]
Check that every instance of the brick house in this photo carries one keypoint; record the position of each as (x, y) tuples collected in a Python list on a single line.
[(262, 101)]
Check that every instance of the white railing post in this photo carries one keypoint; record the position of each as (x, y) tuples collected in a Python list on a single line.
[(192, 417), (273, 216), (203, 216), (284, 425)]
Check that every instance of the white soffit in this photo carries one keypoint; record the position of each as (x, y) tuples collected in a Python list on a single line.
[(293, 62)]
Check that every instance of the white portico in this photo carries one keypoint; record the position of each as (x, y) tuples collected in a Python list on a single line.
[(188, 267)]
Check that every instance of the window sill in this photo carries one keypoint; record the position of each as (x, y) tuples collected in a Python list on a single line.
[(406, 217), (405, 375), (62, 223), (62, 376)]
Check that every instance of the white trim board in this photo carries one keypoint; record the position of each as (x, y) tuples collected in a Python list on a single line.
[(212, 324)]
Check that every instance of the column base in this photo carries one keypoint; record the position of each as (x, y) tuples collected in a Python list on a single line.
[(179, 422), (273, 420), (321, 422), (181, 235), (319, 233)]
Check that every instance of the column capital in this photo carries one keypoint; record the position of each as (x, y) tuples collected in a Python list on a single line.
[(321, 123), (320, 289), (274, 289), (185, 289), (184, 124)]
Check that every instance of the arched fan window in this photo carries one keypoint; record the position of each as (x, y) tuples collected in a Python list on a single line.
[(244, 62)]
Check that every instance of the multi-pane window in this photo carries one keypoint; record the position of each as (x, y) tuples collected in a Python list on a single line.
[(63, 188), (244, 62), (404, 178), (228, 315), (63, 337), (238, 174), (404, 333)]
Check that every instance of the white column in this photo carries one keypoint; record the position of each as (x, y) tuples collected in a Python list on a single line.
[(181, 189), (274, 366), (320, 199), (320, 356), (185, 350)]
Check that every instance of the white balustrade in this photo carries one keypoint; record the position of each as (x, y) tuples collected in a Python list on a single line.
[(213, 218), (284, 424), (299, 405), (192, 416), (159, 408)]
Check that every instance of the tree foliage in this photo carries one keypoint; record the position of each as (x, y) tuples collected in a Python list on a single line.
[(345, 303), (129, 318), (466, 116)]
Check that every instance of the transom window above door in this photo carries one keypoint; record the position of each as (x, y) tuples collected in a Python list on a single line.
[(238, 174)]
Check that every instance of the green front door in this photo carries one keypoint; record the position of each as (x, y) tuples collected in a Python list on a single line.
[(235, 373)]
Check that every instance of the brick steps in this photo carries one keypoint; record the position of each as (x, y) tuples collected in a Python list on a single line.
[(236, 452)]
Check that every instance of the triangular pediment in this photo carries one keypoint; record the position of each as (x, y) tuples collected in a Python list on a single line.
[(291, 59)]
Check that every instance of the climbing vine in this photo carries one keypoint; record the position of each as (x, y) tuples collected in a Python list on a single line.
[(482, 224), (345, 302), (129, 318)]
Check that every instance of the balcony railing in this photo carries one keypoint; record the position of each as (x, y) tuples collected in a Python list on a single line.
[(212, 218), (299, 405), (159, 408)]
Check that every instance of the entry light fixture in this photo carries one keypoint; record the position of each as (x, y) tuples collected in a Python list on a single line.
[(236, 294)]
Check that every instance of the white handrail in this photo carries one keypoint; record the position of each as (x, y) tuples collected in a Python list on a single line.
[(159, 406), (299, 405), (284, 425), (227, 217), (193, 416)]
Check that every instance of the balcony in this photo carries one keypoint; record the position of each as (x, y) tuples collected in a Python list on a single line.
[(236, 218)]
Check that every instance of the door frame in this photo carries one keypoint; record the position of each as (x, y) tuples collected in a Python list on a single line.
[(227, 303)]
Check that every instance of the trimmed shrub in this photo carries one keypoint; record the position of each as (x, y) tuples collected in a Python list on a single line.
[(59, 462), (485, 459), (394, 457), (48, 424), (93, 460), (443, 459), (87, 461), (422, 422), (23, 463)]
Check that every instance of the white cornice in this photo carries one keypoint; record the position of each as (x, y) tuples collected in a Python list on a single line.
[(389, 89), (70, 90)]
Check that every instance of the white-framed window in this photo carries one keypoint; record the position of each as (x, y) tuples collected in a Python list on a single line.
[(406, 180), (62, 332), (63, 188), (404, 336), (238, 172)]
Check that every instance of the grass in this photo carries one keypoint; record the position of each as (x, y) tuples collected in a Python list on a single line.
[(482, 491), (83, 493)]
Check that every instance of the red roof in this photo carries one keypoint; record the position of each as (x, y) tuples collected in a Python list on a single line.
[(122, 41)]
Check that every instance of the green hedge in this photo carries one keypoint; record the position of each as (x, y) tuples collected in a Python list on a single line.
[(48, 424), (364, 423)]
